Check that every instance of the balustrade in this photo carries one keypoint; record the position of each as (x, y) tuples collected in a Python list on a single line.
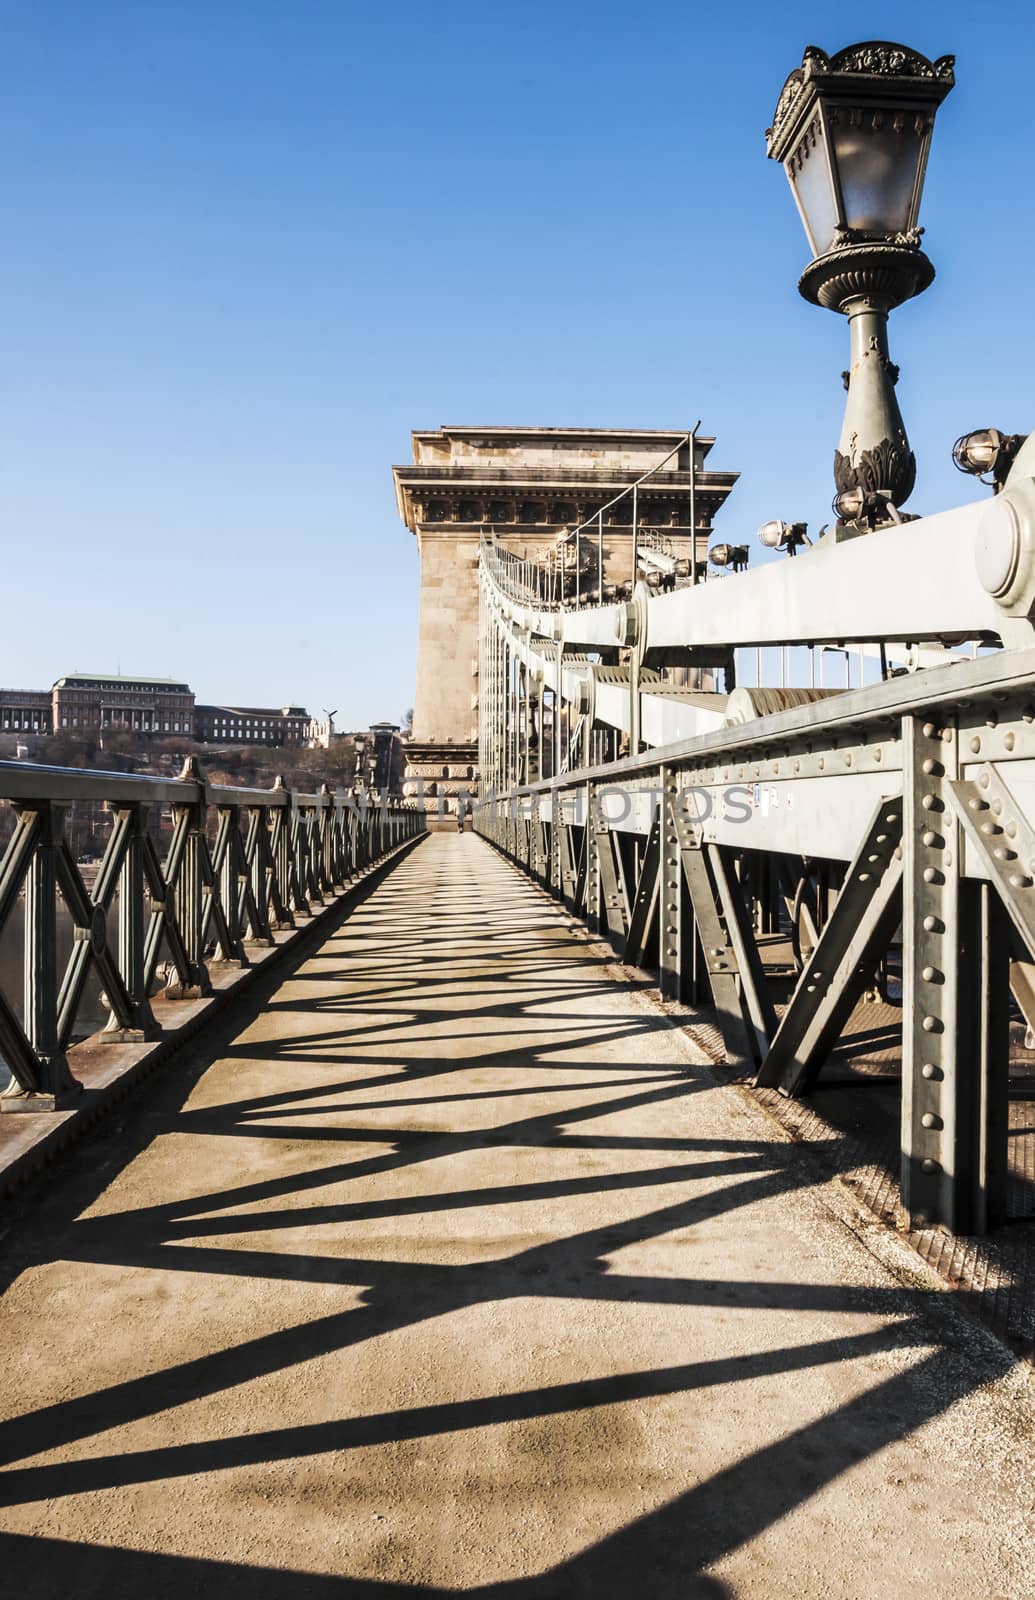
[(239, 865)]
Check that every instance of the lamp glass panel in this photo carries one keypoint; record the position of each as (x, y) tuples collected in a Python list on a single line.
[(878, 154), (809, 173)]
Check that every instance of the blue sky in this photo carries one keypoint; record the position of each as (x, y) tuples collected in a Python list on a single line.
[(249, 244)]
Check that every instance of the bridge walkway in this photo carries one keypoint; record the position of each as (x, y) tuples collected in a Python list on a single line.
[(447, 1268)]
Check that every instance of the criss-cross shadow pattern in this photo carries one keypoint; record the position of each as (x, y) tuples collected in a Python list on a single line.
[(448, 1269)]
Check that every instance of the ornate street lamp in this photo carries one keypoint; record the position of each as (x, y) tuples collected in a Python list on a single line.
[(853, 131)]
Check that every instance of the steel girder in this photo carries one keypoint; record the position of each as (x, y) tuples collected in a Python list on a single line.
[(876, 587), (891, 768), (914, 794), (868, 910)]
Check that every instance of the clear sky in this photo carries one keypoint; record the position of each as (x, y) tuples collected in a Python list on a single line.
[(249, 244)]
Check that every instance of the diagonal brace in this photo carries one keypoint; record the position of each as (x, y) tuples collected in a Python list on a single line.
[(860, 927), (719, 956), (1003, 840), (645, 899)]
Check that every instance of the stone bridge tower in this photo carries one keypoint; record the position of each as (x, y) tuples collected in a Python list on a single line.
[(529, 486)]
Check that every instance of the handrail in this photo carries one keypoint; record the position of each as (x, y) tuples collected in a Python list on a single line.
[(39, 781)]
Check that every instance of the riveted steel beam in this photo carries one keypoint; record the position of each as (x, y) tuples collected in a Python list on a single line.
[(932, 1190), (754, 990), (1003, 839), (841, 964), (644, 899), (616, 916), (954, 997), (670, 892), (567, 861), (719, 951), (802, 783), (592, 889)]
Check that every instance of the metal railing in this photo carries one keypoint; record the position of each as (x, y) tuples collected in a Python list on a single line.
[(883, 826), (238, 864), (890, 823)]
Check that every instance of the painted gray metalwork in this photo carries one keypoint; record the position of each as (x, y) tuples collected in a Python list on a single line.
[(240, 863), (686, 849), (921, 741)]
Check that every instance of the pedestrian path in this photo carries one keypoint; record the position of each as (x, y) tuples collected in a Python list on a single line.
[(449, 1269)]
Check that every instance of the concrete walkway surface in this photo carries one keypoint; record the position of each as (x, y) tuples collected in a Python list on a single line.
[(447, 1268)]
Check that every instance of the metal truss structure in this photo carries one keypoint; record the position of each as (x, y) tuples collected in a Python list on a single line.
[(239, 864), (884, 825)]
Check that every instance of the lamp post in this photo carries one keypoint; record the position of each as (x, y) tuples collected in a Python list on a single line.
[(853, 131)]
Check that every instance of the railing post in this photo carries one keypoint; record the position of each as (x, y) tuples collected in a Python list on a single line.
[(362, 831), (190, 901), (280, 849), (56, 1085), (133, 925), (556, 824), (260, 874), (228, 883), (345, 835), (299, 856), (332, 862), (311, 828), (670, 931), (351, 824), (954, 1002), (375, 831), (322, 840), (592, 862)]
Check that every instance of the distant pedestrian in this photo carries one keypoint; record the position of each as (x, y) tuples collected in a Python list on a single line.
[(461, 814)]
